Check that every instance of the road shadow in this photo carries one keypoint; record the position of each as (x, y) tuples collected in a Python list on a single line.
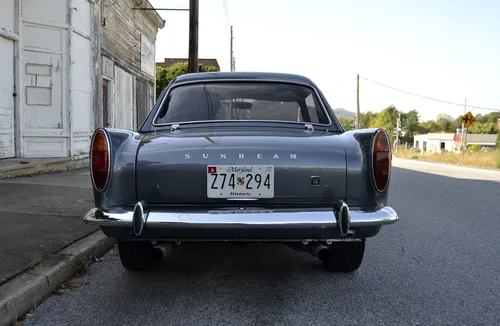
[(229, 258)]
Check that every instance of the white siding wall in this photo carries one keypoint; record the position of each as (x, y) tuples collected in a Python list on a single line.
[(47, 60), (123, 112), (433, 145), (148, 63), (81, 78), (7, 37), (45, 127), (7, 16), (418, 141)]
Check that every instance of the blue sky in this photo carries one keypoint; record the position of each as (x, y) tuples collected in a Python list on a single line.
[(444, 49)]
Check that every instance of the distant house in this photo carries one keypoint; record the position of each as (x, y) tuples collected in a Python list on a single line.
[(436, 142), (451, 141), (483, 140), (169, 62)]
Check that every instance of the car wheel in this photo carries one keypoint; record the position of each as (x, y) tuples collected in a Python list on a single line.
[(345, 256), (137, 255)]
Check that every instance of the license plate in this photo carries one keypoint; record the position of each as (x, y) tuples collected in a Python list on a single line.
[(240, 181)]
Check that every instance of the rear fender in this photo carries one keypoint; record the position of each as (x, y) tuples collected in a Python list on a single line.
[(361, 191), (121, 188)]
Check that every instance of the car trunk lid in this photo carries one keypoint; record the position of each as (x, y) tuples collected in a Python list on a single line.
[(263, 168)]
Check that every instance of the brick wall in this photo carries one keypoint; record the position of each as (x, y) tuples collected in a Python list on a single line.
[(121, 33)]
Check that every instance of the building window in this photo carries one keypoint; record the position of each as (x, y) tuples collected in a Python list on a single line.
[(443, 145), (105, 103)]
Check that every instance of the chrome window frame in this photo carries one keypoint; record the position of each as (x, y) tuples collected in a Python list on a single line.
[(225, 80)]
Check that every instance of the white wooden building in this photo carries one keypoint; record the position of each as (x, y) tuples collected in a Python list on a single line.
[(51, 76), (436, 142)]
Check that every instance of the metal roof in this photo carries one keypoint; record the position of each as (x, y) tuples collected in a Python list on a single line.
[(481, 139), (441, 136)]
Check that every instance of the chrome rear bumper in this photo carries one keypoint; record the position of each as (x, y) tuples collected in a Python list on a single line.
[(243, 224)]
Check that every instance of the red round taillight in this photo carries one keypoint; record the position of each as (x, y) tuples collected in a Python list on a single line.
[(381, 160), (99, 160)]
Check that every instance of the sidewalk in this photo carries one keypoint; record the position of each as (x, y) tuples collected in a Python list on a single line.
[(39, 216), (15, 167)]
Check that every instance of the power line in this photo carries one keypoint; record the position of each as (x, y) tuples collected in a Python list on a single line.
[(226, 13), (156, 9), (429, 98)]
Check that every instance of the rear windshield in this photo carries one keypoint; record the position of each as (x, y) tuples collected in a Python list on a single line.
[(242, 101)]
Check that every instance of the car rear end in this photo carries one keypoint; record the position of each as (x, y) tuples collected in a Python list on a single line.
[(288, 189), (235, 173)]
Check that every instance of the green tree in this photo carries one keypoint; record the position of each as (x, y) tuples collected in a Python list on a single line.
[(483, 128), (445, 123), (165, 75), (365, 119), (456, 124), (481, 118), (161, 80), (386, 119), (347, 123), (410, 124), (428, 126), (490, 117)]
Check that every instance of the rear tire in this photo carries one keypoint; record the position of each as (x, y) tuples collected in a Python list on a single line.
[(345, 256), (137, 255)]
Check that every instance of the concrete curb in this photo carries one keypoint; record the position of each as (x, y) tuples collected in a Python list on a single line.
[(25, 292), (43, 167)]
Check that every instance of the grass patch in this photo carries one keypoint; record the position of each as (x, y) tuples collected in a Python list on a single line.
[(470, 158)]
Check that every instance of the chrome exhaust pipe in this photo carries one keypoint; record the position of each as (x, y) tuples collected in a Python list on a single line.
[(140, 217), (343, 217), (161, 251)]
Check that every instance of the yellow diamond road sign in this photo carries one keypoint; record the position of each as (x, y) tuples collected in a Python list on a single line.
[(468, 120)]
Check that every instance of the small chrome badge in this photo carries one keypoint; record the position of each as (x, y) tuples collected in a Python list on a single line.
[(315, 180)]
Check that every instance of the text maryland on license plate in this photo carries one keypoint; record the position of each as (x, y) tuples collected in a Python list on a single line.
[(240, 181)]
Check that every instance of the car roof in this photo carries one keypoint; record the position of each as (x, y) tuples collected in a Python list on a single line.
[(200, 76)]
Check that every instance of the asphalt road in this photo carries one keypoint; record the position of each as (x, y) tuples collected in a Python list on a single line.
[(438, 265)]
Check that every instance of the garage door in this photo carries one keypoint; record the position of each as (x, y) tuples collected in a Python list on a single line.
[(7, 146)]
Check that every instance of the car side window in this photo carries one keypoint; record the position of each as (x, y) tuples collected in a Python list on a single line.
[(184, 104)]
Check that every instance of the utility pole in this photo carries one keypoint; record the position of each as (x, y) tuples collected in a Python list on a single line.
[(193, 36), (231, 50), (398, 126), (357, 101), (462, 138)]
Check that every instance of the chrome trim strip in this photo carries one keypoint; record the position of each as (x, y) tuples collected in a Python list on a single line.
[(215, 80), (243, 218)]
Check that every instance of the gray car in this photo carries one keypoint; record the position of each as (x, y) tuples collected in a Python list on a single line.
[(241, 157)]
